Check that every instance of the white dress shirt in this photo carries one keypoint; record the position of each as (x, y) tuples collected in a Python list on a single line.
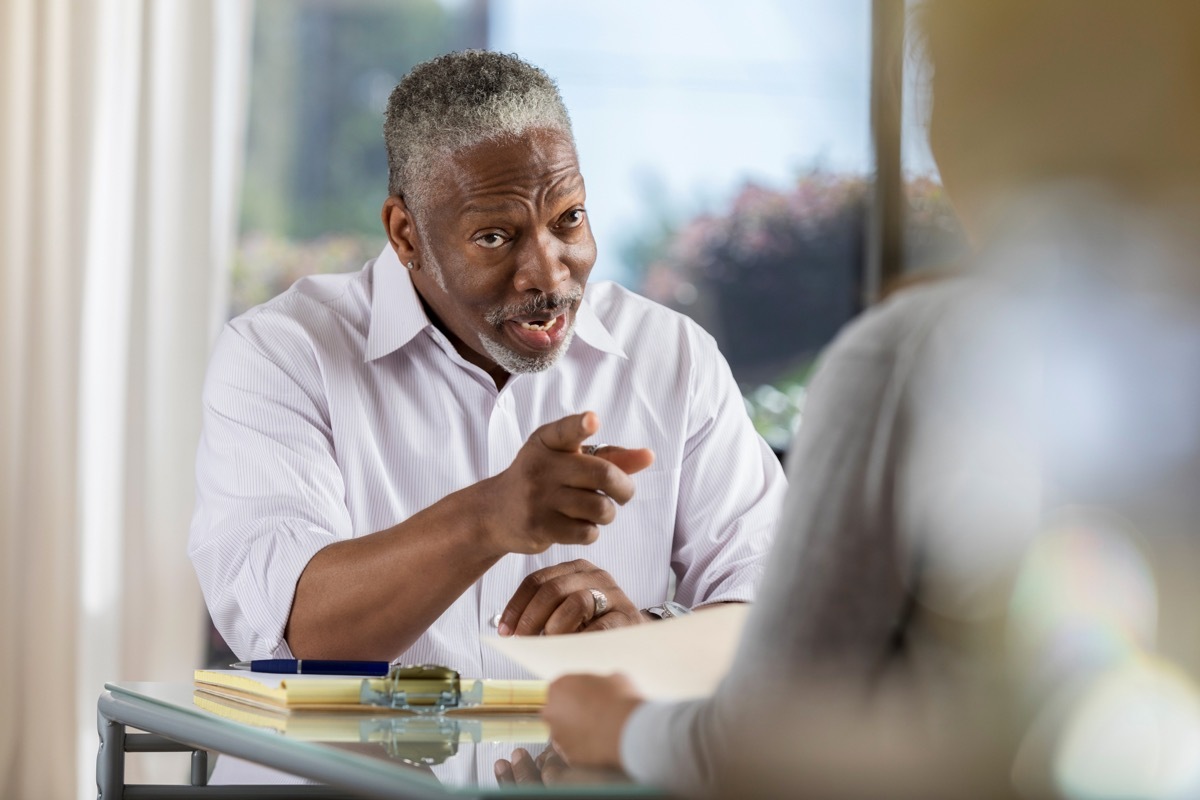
[(338, 410)]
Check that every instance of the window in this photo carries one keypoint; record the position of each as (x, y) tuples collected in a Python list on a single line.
[(315, 172), (933, 239)]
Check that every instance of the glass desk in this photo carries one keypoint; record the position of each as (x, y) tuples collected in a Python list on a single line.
[(352, 754)]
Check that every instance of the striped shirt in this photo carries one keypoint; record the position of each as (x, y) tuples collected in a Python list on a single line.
[(338, 410)]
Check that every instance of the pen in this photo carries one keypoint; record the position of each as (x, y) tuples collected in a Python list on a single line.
[(313, 666)]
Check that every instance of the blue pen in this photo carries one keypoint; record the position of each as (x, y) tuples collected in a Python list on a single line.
[(313, 666)]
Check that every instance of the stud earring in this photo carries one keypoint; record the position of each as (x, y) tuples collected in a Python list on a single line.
[(411, 265)]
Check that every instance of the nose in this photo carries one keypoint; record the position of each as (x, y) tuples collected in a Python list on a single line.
[(540, 264)]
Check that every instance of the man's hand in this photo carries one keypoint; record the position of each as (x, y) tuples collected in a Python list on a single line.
[(549, 769), (525, 770), (586, 714), (559, 599), (554, 494)]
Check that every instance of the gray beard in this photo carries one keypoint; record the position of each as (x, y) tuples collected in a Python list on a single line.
[(514, 363), (506, 359)]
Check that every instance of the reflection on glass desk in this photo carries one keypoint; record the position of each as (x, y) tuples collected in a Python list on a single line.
[(373, 753)]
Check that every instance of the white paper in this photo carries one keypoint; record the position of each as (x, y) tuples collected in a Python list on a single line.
[(674, 659)]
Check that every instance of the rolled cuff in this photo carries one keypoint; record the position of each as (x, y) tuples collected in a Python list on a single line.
[(251, 611)]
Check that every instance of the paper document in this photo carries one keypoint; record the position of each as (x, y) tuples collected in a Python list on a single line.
[(674, 659)]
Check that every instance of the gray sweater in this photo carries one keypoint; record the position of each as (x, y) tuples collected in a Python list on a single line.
[(966, 447)]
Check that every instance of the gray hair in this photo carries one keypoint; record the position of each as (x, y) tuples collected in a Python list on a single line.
[(459, 100)]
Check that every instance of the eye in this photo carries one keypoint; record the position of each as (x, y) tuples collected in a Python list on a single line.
[(491, 240), (572, 219)]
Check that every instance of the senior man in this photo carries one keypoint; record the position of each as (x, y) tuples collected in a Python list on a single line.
[(399, 462)]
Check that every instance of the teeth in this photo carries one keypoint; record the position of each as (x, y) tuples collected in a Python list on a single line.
[(542, 326)]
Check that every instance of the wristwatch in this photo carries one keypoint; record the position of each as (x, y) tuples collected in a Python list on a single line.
[(668, 609)]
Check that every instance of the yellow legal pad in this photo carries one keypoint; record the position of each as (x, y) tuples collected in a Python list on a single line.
[(388, 724), (342, 693)]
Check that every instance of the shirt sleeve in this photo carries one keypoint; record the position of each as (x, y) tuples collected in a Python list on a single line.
[(658, 747), (731, 488), (269, 493)]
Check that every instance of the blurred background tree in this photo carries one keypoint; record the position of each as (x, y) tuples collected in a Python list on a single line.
[(316, 168), (774, 276)]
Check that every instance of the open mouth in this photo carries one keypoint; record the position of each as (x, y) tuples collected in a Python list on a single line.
[(539, 333), (540, 326)]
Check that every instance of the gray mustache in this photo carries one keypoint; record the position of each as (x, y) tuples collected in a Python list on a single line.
[(534, 305)]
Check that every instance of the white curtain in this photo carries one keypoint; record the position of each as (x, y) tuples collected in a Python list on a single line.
[(120, 141)]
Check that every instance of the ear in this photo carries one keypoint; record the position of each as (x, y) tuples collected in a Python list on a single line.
[(401, 229)]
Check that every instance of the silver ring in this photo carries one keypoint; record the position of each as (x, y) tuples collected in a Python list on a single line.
[(601, 602), (592, 449)]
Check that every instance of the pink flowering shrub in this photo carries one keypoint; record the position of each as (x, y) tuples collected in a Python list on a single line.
[(777, 274)]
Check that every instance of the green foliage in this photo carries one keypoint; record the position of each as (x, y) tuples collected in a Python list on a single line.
[(776, 408), (322, 72)]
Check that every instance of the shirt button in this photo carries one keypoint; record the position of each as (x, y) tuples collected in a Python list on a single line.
[(495, 621)]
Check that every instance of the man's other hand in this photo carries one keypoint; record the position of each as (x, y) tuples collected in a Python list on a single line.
[(559, 599), (550, 769), (553, 493)]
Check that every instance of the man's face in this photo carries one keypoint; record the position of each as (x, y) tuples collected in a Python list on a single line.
[(505, 250)]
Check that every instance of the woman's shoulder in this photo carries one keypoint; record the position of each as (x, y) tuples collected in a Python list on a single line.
[(906, 315)]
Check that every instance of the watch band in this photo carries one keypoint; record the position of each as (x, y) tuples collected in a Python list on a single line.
[(668, 610)]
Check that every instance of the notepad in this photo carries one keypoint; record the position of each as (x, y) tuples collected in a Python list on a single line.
[(275, 691), (271, 690), (376, 724)]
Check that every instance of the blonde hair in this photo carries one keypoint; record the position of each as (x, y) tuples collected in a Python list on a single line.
[(1044, 89)]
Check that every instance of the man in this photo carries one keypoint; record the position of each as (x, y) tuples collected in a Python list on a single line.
[(396, 463)]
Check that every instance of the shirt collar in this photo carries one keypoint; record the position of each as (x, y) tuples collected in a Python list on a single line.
[(591, 330), (396, 312), (397, 315)]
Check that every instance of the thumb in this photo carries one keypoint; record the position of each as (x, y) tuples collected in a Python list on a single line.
[(568, 433)]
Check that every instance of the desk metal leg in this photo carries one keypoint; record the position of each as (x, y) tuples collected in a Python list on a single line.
[(116, 741), (110, 759), (199, 768)]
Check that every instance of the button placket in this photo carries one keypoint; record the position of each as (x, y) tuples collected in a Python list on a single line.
[(496, 586)]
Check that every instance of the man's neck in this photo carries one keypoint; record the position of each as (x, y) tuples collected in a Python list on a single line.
[(494, 370)]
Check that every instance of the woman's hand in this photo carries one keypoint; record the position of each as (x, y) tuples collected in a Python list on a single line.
[(586, 714)]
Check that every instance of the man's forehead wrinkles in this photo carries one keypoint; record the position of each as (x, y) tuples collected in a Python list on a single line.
[(496, 196), (517, 180)]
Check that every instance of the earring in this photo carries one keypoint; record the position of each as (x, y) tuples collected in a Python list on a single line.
[(411, 265)]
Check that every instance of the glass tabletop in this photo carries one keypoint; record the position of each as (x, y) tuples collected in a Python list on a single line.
[(450, 754)]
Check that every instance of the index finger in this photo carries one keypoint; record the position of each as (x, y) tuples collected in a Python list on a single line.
[(568, 433)]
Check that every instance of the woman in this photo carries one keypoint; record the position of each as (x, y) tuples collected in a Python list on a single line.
[(985, 562)]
